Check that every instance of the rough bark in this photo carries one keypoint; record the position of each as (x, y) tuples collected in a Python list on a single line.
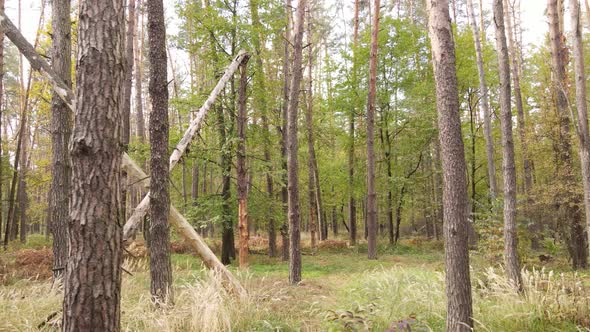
[(572, 230), (455, 227), (582, 108), (293, 146), (93, 286), (484, 103), (371, 193), (241, 169), (284, 130), (61, 131), (159, 250), (511, 259)]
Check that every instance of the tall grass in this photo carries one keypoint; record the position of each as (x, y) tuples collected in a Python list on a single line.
[(346, 299), (416, 296)]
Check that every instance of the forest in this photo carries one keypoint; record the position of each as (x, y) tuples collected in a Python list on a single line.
[(294, 165)]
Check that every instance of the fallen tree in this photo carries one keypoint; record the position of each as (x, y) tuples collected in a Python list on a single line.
[(133, 170)]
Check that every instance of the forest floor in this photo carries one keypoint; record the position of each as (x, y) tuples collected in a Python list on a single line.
[(341, 291)]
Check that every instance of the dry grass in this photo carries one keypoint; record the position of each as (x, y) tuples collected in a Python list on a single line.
[(341, 291)]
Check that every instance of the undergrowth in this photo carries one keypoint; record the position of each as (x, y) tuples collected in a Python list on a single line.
[(341, 291)]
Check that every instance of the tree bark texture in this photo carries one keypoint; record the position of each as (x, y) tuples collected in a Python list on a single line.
[(455, 215), (284, 129), (93, 274), (511, 260), (292, 148), (61, 124), (159, 249)]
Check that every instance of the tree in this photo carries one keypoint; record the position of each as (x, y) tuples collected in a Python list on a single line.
[(582, 108), (527, 169), (293, 146), (455, 222), (125, 136), (371, 193), (261, 100), (351, 127), (284, 132), (509, 169), (61, 124), (314, 213), (138, 46), (241, 169), (572, 230), (159, 249), (93, 286), (484, 103)]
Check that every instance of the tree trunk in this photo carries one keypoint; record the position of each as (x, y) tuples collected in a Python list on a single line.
[(284, 130), (572, 230), (528, 178), (261, 102), (22, 196), (141, 210), (159, 250), (292, 148), (313, 203), (458, 286), (126, 114), (351, 127), (511, 259), (61, 124), (371, 193), (582, 108), (93, 286), (484, 103), (138, 46), (241, 169)]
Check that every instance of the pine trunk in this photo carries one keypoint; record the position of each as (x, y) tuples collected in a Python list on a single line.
[(293, 147), (61, 123), (511, 259), (455, 225), (284, 130), (241, 169), (484, 103), (93, 286), (580, 80), (371, 193), (159, 250)]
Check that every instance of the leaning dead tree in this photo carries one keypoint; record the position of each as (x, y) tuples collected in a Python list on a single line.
[(134, 221), (133, 171)]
